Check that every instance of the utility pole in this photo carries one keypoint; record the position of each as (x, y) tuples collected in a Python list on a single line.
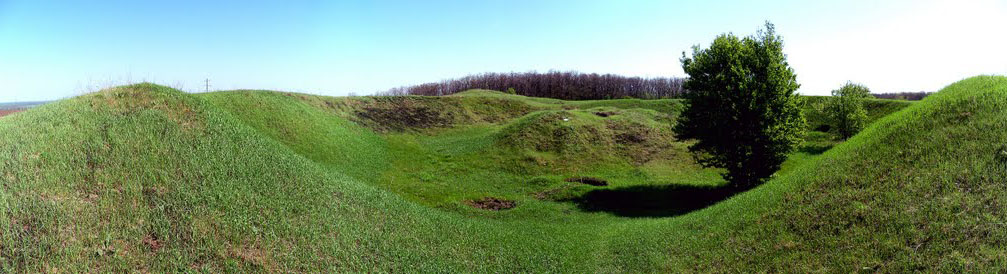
[(207, 81)]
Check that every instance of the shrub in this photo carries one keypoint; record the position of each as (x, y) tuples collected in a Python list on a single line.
[(742, 108), (845, 111)]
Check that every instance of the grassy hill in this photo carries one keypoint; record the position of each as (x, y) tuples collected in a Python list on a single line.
[(144, 177)]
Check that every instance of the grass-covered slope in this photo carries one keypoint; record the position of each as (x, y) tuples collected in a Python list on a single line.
[(922, 189), (146, 178)]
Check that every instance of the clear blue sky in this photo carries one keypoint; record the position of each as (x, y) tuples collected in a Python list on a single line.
[(57, 49)]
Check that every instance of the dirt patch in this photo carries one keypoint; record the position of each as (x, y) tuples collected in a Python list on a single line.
[(5, 112), (403, 118), (605, 113), (153, 242), (491, 203), (630, 133), (631, 137), (588, 181), (408, 113), (402, 113)]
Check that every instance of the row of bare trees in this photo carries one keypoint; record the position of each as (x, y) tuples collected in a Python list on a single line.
[(912, 96), (554, 84)]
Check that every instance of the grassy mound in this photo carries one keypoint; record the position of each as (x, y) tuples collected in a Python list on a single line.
[(595, 134), (921, 189), (146, 178)]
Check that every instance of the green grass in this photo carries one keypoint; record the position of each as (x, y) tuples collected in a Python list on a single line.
[(146, 178), (475, 155)]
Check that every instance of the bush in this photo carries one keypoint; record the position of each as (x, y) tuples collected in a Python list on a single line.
[(742, 106), (845, 111)]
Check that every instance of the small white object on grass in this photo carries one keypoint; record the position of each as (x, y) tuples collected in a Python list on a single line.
[(566, 119)]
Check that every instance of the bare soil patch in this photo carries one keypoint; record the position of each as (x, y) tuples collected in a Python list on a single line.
[(630, 133), (398, 114), (588, 181), (153, 242), (491, 203)]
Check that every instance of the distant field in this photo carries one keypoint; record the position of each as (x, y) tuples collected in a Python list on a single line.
[(11, 108), (5, 112), (21, 105)]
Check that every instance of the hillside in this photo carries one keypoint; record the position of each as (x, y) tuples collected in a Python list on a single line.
[(920, 189), (144, 177)]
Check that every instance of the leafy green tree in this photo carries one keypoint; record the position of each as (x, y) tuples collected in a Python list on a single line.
[(742, 107), (511, 91), (845, 111)]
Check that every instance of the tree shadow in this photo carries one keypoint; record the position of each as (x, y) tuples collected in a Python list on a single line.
[(652, 201), (814, 149), (663, 200)]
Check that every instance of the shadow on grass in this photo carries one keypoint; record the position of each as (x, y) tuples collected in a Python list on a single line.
[(652, 201), (814, 149), (664, 201)]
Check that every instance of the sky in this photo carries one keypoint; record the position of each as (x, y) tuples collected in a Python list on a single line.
[(59, 49)]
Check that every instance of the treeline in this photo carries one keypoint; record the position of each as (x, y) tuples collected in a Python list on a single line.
[(912, 96), (572, 85), (553, 84)]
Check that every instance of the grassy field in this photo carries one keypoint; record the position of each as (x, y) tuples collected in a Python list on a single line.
[(146, 178)]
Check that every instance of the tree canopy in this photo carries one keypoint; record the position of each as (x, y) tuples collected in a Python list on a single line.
[(742, 107)]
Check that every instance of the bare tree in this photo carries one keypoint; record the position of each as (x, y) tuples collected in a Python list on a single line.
[(553, 84), (912, 96)]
